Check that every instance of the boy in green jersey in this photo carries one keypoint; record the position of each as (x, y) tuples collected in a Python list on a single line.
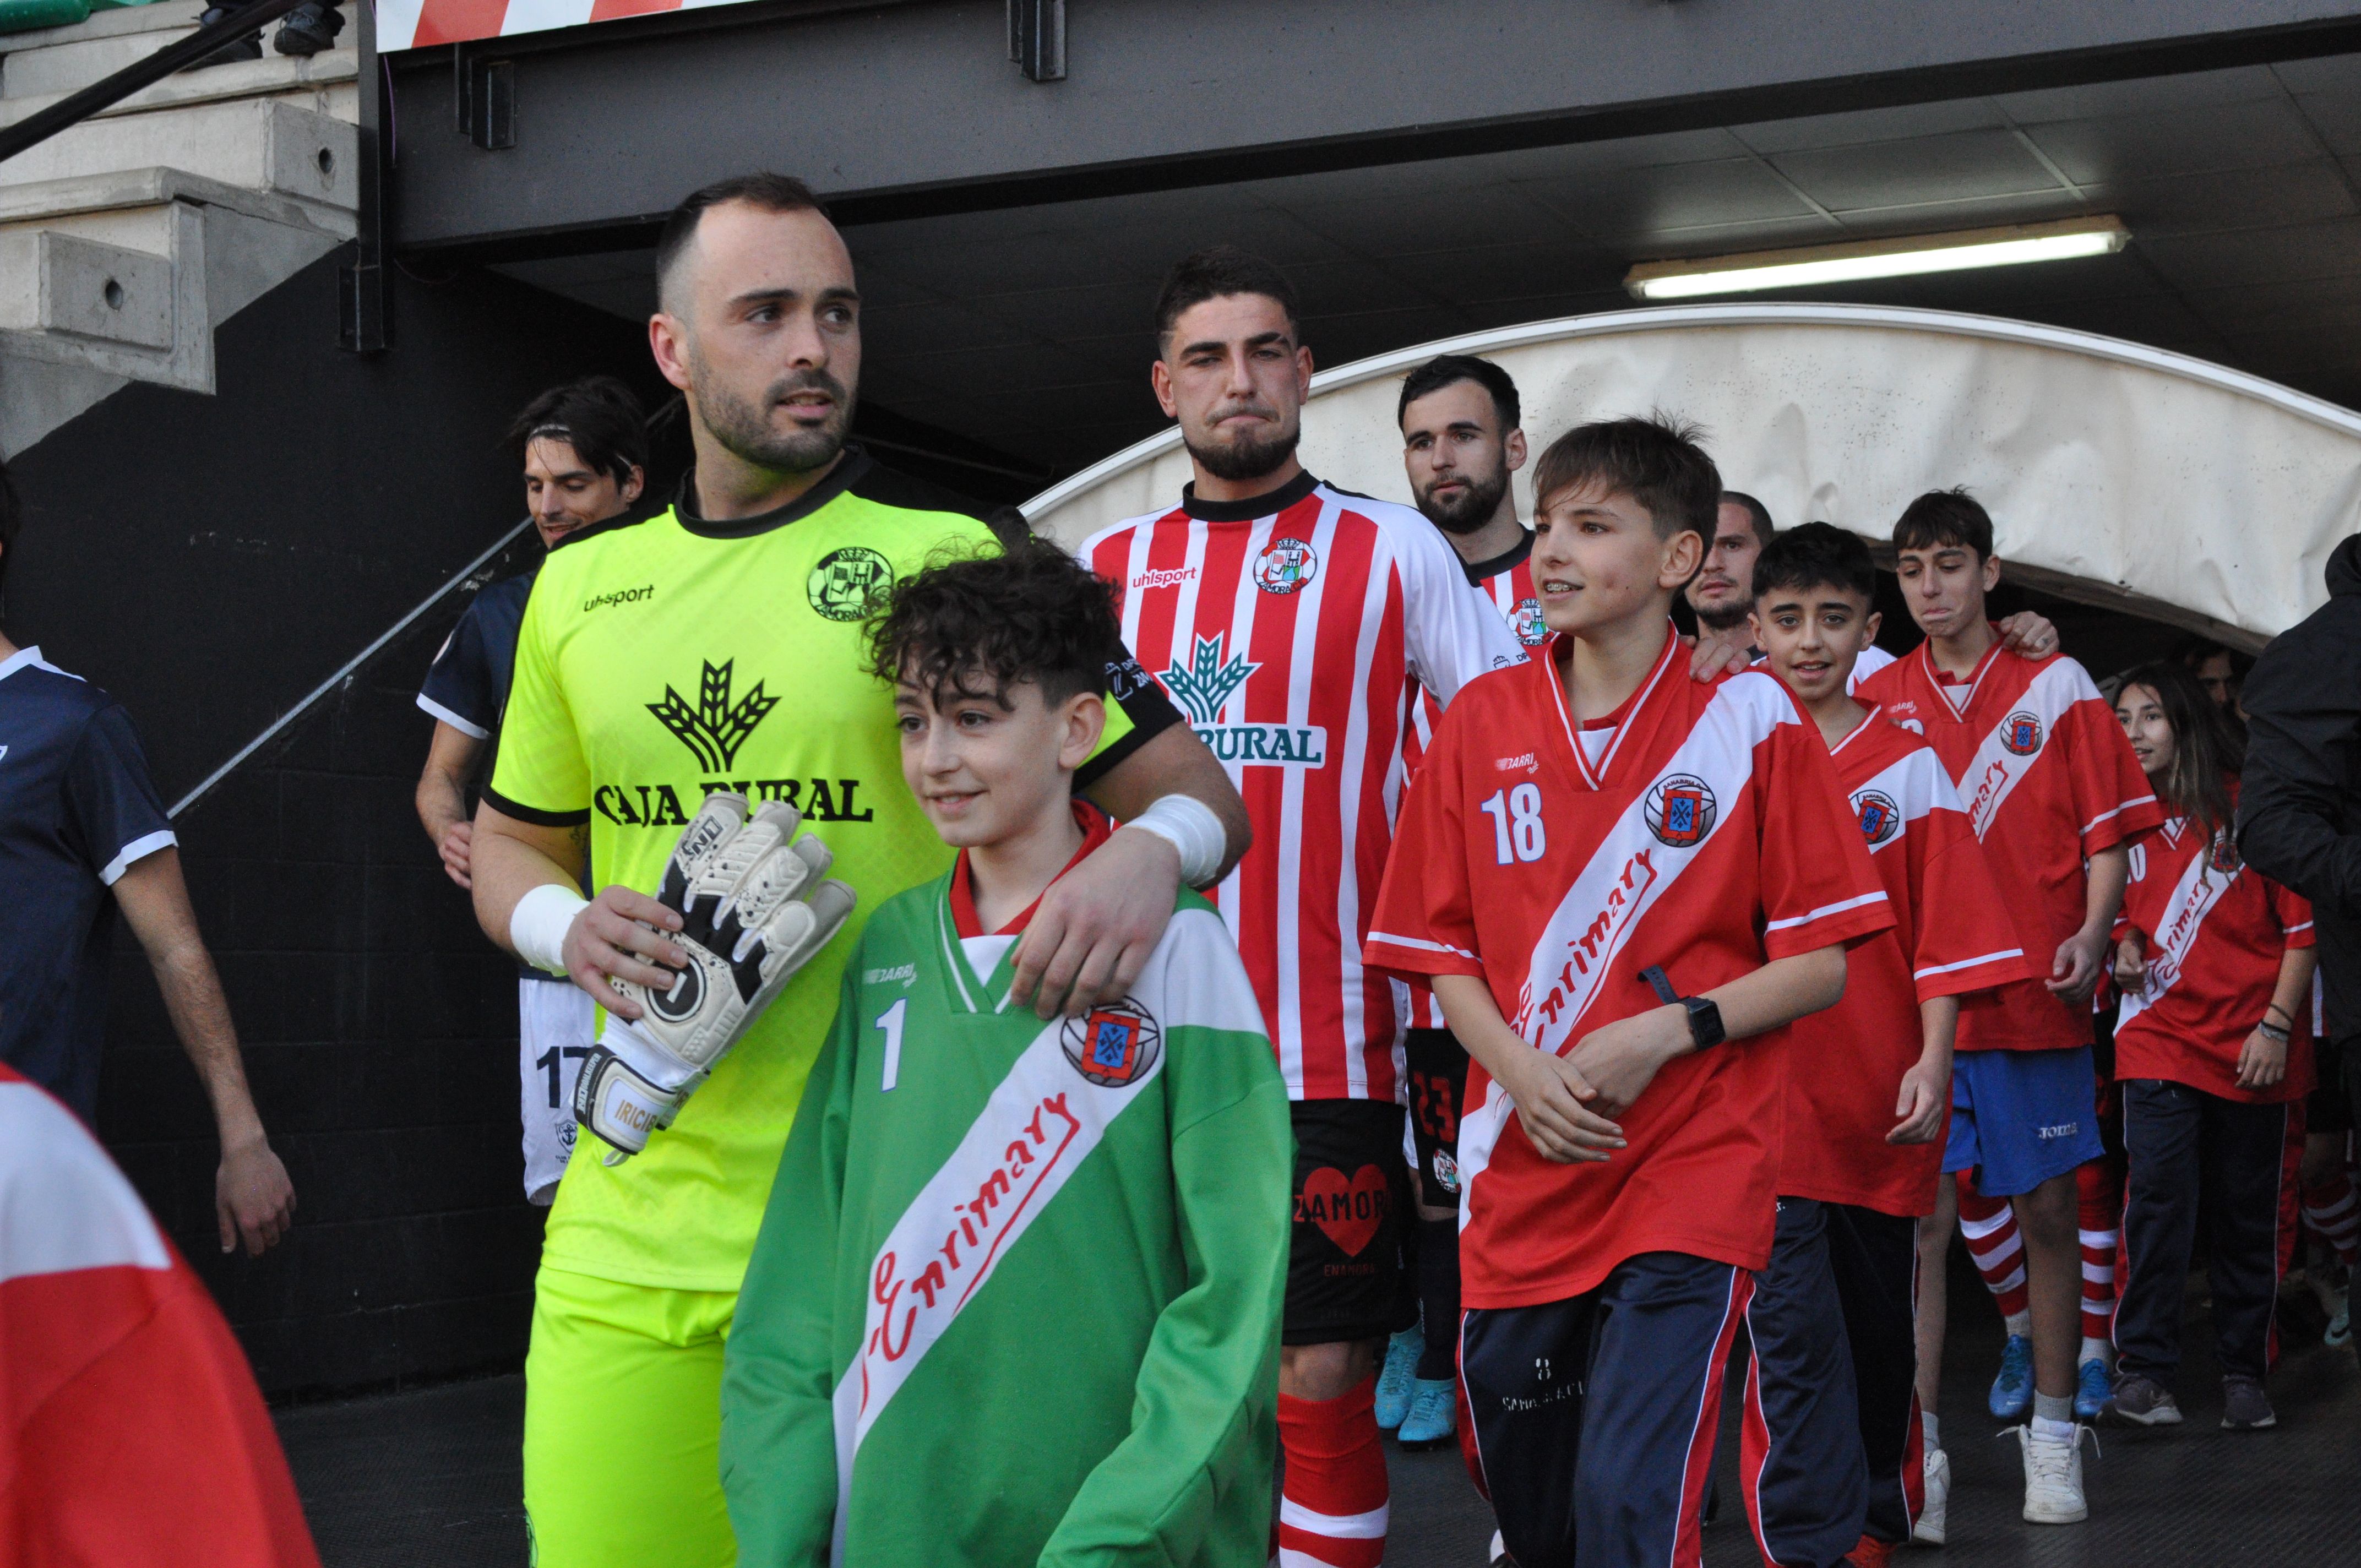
[(1017, 1297)]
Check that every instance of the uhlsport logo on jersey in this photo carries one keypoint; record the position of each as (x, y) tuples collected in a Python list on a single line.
[(2021, 733), (1681, 810), (1880, 818), (846, 581), (1204, 686), (1285, 566), (1114, 1044), (1526, 622)]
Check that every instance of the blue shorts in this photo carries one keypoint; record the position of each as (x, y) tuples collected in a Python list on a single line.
[(2020, 1117)]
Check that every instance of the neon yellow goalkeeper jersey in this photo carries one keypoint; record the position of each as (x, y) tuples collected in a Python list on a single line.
[(660, 661)]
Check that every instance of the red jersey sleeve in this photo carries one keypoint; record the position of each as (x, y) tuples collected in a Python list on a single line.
[(2294, 911), (2113, 799), (1425, 920), (1818, 886), (1965, 939)]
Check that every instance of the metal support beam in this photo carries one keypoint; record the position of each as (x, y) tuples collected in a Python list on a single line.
[(363, 324), (1037, 38)]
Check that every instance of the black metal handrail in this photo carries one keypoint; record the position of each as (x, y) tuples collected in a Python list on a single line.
[(107, 93)]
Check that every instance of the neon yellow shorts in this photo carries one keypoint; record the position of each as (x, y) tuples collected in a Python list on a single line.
[(622, 1425)]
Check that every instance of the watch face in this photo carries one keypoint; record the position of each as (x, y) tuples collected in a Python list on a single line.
[(1705, 1022)]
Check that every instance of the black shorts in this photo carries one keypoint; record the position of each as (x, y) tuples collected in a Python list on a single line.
[(1346, 1273), (2328, 1108), (1438, 1085)]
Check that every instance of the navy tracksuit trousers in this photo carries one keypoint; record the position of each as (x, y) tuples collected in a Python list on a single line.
[(1829, 1448), (1595, 1417), (2196, 1156)]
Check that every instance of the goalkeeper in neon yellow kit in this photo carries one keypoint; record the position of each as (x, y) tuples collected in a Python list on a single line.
[(1017, 1296)]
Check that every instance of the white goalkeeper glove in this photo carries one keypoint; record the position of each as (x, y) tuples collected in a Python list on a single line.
[(755, 903)]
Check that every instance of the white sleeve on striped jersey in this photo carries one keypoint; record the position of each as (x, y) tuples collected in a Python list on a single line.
[(1451, 630)]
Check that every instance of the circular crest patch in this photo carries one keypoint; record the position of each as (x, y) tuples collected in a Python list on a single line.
[(1446, 1172), (1285, 566), (1527, 623), (1880, 818), (2021, 733), (1680, 810), (1114, 1044), (845, 581), (2223, 855)]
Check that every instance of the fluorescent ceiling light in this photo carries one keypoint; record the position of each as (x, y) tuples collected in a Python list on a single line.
[(1877, 258)]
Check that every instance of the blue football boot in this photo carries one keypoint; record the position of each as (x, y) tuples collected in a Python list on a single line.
[(2092, 1389), (1433, 1417), (1397, 1377), (2012, 1391)]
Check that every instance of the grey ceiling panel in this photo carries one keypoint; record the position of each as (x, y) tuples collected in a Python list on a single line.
[(1870, 126), (1621, 206), (2143, 96), (2336, 116), (1957, 166), (2187, 141), (2330, 249), (1417, 222), (2239, 199)]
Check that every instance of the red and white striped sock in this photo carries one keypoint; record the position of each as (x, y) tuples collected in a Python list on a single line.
[(1332, 1507), (2331, 1212), (2099, 1202), (1990, 1226)]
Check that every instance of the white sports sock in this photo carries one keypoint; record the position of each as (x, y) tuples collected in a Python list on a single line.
[(1931, 1428), (2019, 1325), (2097, 1350), (2057, 1415)]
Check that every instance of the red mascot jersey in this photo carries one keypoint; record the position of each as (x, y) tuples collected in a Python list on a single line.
[(1698, 828)]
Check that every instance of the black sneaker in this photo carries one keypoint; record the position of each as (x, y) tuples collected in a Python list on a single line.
[(248, 47), (2142, 1401), (309, 28), (2245, 1406)]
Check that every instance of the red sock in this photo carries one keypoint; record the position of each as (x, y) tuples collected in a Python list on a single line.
[(1990, 1226), (1332, 1509), (2100, 1207), (2331, 1212)]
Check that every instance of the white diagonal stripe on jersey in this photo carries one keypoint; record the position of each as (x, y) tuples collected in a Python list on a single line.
[(2194, 897), (1994, 772), (1036, 1130), (63, 1205), (1370, 1526)]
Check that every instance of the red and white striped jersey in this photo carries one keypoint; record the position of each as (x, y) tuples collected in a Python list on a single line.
[(2048, 780), (1508, 581), (131, 1431), (1707, 836), (1284, 627), (2215, 930), (1951, 935)]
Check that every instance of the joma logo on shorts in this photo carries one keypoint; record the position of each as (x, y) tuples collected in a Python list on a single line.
[(2058, 1130)]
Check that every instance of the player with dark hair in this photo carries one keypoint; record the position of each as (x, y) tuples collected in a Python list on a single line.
[(1085, 1369), (716, 648), (1868, 1098), (2215, 961), (1624, 885), (1289, 617), (584, 448), (2056, 798)]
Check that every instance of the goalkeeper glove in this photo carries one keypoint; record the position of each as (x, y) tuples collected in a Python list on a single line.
[(755, 903)]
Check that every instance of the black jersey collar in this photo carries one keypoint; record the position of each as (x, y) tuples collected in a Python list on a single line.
[(1253, 507), (853, 467), (1482, 572)]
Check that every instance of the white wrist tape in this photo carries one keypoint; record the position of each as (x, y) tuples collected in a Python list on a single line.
[(538, 925), (1190, 825)]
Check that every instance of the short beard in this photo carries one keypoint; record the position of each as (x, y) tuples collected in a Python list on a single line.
[(1729, 620), (1248, 459), (744, 431), (1471, 510)]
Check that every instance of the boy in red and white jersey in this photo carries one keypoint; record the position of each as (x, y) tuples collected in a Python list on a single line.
[(2213, 1049), (1608, 870), (2051, 788), (1461, 444), (1868, 1098), (1286, 617)]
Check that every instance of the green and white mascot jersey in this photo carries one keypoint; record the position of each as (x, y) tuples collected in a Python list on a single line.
[(1017, 1295)]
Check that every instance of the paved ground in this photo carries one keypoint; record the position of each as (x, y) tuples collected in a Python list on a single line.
[(429, 1478)]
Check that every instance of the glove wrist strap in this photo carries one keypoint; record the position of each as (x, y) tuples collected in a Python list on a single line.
[(620, 1106)]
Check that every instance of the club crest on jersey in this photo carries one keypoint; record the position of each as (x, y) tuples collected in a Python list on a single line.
[(1205, 685), (1285, 566), (1681, 810), (846, 581), (2020, 733), (1880, 818), (1114, 1044), (1526, 622), (2223, 855)]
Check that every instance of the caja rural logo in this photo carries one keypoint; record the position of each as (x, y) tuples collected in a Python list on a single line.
[(1204, 686), (714, 728)]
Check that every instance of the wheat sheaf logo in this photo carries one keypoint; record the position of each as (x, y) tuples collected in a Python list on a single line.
[(714, 727), (1207, 682)]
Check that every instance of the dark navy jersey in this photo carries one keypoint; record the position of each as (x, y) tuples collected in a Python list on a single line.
[(76, 809), (468, 685)]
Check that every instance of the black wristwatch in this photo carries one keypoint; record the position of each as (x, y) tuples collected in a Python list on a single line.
[(1705, 1018)]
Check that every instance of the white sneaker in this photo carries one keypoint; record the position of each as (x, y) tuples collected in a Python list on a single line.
[(1928, 1530), (2053, 1478)]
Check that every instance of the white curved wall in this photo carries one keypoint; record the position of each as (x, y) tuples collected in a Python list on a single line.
[(2119, 474)]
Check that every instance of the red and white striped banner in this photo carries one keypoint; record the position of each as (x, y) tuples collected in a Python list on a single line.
[(415, 24)]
